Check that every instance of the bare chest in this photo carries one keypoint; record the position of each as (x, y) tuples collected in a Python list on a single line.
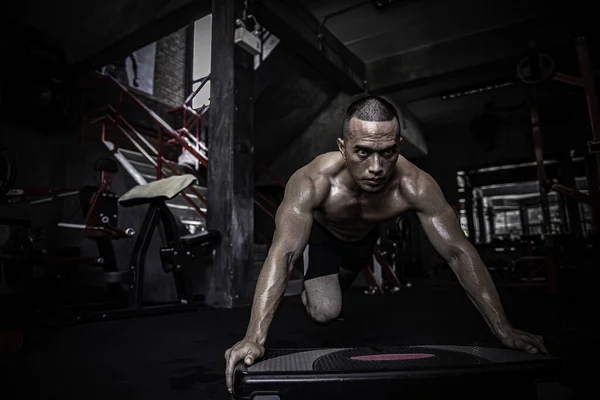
[(343, 208)]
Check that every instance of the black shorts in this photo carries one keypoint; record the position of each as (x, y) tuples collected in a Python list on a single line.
[(327, 254)]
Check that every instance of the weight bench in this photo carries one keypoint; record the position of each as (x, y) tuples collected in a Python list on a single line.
[(395, 372), (178, 256)]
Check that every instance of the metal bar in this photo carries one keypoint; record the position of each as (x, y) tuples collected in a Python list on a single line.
[(189, 135), (141, 137), (573, 193), (262, 196), (112, 232), (193, 124), (157, 119), (161, 173), (125, 163), (137, 146), (160, 157), (593, 160), (54, 196), (587, 74), (270, 174), (198, 89), (539, 158), (370, 277), (192, 203), (572, 80), (184, 116), (551, 271), (67, 261), (386, 268), (264, 209)]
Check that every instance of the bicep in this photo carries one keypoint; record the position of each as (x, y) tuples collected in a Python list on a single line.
[(294, 218)]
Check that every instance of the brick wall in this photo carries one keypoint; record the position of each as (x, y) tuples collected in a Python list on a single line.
[(170, 68)]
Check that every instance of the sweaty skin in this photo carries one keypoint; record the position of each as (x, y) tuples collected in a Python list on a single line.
[(349, 192)]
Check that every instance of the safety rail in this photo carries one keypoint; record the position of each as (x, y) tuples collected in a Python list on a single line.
[(112, 116), (131, 134), (192, 119), (188, 137), (163, 127)]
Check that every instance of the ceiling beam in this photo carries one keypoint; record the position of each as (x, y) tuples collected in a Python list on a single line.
[(303, 34), (153, 31), (457, 56)]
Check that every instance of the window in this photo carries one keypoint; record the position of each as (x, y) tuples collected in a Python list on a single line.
[(201, 59), (507, 223)]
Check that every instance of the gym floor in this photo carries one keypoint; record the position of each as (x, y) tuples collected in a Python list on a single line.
[(180, 356)]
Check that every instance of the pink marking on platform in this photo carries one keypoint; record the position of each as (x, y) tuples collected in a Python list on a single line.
[(392, 357)]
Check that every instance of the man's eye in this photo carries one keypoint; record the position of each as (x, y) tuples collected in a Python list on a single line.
[(361, 153)]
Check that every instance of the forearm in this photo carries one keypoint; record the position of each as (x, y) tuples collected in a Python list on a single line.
[(477, 282), (270, 287)]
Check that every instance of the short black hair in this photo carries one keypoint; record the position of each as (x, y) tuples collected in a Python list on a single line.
[(370, 108)]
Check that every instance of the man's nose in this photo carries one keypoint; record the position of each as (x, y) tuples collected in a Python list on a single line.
[(375, 166)]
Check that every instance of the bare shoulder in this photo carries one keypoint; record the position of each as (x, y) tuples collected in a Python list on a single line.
[(416, 185), (313, 180)]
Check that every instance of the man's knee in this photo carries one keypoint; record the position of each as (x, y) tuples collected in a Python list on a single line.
[(325, 311)]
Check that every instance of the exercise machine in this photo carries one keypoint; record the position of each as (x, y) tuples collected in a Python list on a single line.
[(535, 69), (178, 256), (392, 372), (124, 283), (28, 266)]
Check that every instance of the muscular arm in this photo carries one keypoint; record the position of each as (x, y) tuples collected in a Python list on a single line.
[(293, 225), (443, 230)]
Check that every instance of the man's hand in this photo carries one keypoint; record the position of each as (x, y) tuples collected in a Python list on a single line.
[(245, 349), (519, 340)]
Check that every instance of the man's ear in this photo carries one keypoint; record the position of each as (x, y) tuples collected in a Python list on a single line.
[(341, 147)]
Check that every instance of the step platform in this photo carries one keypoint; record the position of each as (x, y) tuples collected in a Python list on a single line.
[(396, 372)]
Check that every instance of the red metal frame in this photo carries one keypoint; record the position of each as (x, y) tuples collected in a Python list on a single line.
[(192, 121), (586, 81), (114, 117)]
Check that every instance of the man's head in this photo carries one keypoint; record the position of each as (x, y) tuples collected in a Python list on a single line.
[(370, 142)]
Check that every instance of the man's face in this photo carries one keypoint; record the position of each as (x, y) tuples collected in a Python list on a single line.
[(371, 152)]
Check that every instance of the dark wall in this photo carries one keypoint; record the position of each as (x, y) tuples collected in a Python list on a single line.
[(287, 105)]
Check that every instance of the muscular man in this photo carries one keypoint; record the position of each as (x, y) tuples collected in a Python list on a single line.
[(335, 204)]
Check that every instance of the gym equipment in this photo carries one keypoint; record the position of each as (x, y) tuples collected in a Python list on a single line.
[(535, 68), (180, 254), (100, 207), (587, 82), (29, 265), (542, 71), (392, 372), (389, 280)]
